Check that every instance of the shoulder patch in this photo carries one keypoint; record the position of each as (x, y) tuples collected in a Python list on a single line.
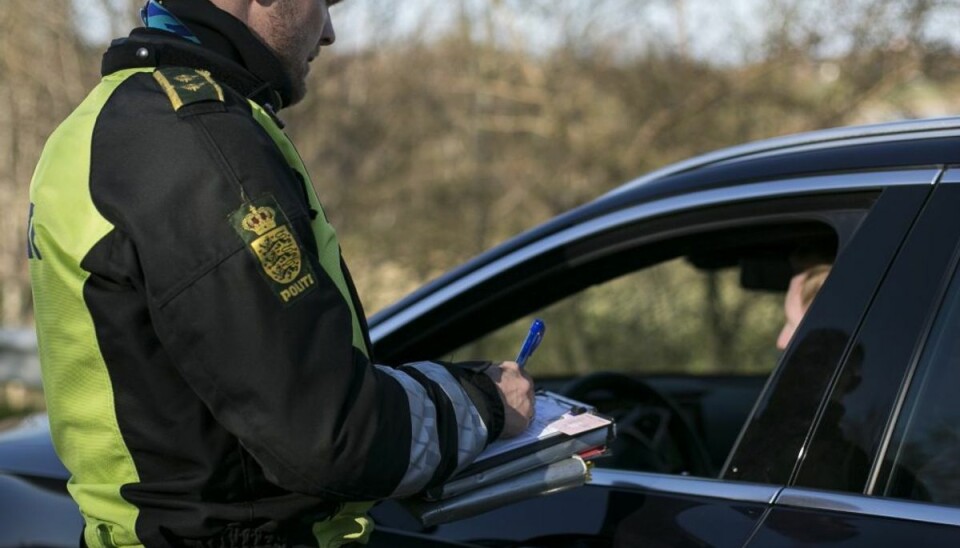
[(185, 86), (269, 236)]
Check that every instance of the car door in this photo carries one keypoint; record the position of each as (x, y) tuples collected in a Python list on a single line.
[(641, 508), (880, 468)]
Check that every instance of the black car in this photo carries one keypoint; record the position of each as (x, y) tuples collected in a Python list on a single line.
[(851, 437)]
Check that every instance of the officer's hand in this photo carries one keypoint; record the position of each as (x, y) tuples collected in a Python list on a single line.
[(516, 392)]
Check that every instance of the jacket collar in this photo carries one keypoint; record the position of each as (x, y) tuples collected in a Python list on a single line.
[(228, 49)]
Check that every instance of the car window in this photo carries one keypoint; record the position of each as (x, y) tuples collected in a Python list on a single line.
[(671, 325), (925, 447), (677, 351), (671, 318)]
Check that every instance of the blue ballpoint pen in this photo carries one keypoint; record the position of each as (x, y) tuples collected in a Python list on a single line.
[(534, 336)]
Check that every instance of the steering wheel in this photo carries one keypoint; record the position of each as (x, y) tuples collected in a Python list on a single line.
[(653, 433)]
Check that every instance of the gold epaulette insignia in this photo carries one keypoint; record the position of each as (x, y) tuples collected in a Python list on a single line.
[(185, 86)]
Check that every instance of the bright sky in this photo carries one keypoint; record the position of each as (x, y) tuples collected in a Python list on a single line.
[(708, 25)]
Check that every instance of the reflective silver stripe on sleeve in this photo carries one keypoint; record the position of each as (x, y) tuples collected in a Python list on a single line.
[(472, 432), (424, 445)]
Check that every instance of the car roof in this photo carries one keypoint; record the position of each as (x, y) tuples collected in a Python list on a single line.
[(892, 145), (888, 132)]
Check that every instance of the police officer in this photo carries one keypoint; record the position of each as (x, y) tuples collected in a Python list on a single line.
[(205, 357)]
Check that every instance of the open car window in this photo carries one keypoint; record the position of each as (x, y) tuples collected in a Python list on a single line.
[(671, 318), (683, 407), (676, 353), (674, 339)]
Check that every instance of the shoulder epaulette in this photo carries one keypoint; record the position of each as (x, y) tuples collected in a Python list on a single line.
[(185, 86)]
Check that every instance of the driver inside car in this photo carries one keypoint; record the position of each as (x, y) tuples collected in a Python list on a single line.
[(804, 286)]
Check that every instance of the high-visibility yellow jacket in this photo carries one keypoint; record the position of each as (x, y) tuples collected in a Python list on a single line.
[(205, 357)]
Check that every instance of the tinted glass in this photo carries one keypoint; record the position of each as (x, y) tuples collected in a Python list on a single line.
[(852, 422), (772, 442), (925, 452)]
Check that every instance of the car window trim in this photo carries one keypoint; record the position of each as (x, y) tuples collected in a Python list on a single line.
[(684, 485), (951, 176), (848, 503), (766, 190), (868, 134)]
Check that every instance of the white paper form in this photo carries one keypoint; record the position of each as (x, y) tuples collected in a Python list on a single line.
[(553, 415)]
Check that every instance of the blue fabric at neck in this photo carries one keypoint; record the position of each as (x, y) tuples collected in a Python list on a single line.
[(155, 16)]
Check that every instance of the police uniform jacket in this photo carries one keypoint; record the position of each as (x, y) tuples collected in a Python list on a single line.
[(205, 357)]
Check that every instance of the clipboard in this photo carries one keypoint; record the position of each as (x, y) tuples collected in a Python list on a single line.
[(561, 428), (564, 474)]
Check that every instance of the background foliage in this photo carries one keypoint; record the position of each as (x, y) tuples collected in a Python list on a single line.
[(437, 129)]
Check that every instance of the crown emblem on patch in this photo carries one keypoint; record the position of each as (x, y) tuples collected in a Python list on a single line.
[(260, 220), (267, 233)]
